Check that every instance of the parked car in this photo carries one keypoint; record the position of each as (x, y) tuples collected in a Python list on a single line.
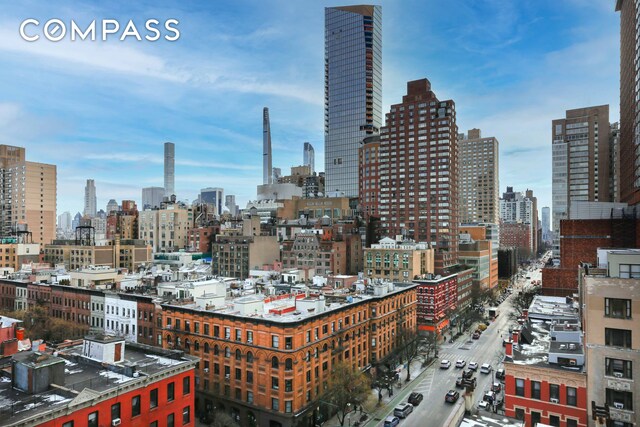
[(485, 368), (460, 363), (489, 396), (496, 387), (403, 410), (459, 382), (415, 398), (391, 421), (452, 396), (483, 404), (445, 364), (476, 335), (500, 374), (467, 373), (473, 366)]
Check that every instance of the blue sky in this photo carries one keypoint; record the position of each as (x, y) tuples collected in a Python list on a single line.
[(102, 110)]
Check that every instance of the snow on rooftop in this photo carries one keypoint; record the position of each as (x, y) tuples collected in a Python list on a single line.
[(118, 378), (164, 360)]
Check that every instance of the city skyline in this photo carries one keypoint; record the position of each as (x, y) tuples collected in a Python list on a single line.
[(506, 76)]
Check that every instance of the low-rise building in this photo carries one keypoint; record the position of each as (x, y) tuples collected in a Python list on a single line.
[(13, 255), (100, 382), (546, 379), (120, 254), (437, 297), (235, 256), (398, 261)]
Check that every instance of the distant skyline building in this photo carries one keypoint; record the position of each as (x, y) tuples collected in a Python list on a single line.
[(90, 199), (64, 222), (230, 203), (519, 222), (152, 197), (169, 169), (112, 206), (267, 166), (309, 157), (580, 170), (629, 102), (479, 178), (213, 196), (546, 223), (77, 218), (418, 200), (353, 90)]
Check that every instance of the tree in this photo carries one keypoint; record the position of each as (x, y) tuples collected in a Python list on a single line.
[(522, 300), (383, 381), (346, 388), (408, 345), (38, 324), (430, 344)]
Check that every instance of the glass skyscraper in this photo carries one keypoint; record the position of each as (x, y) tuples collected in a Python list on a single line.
[(353, 90)]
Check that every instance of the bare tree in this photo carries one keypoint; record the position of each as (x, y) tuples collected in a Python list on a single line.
[(347, 387), (408, 345)]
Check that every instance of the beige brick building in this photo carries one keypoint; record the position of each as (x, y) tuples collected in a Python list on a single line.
[(399, 262), (129, 254), (166, 230)]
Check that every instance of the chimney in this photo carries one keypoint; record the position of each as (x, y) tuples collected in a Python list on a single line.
[(514, 336), (509, 350)]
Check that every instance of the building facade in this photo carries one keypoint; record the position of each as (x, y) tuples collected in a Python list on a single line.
[(419, 173), (213, 196), (235, 256), (169, 169), (437, 298), (369, 176), (152, 197), (353, 90), (166, 230), (309, 157), (398, 261), (479, 178), (129, 254), (90, 199)]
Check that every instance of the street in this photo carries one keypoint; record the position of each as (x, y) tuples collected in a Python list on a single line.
[(434, 383)]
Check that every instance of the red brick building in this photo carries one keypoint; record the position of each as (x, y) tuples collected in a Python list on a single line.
[(100, 382), (199, 239), (517, 235), (579, 241), (436, 299), (369, 176)]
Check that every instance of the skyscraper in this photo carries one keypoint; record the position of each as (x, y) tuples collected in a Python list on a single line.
[(64, 222), (28, 191), (152, 197), (580, 170), (213, 196), (418, 167), (629, 102), (169, 169), (479, 185), (267, 167), (230, 203), (90, 200), (546, 223), (309, 157), (353, 90)]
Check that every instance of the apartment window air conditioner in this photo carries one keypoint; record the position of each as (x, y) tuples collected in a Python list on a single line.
[(617, 374), (572, 362), (206, 370), (553, 400), (249, 341), (618, 405), (227, 376), (116, 422)]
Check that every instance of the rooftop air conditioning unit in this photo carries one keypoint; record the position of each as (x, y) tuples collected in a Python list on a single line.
[(618, 405), (116, 422), (617, 374), (554, 400)]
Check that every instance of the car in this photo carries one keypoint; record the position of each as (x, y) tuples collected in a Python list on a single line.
[(415, 398), (467, 373), (391, 421), (475, 336), (473, 366), (460, 363), (452, 396), (483, 404), (489, 396), (485, 368), (496, 387), (403, 410), (500, 374), (459, 381), (445, 364)]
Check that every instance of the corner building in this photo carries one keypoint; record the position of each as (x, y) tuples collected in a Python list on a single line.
[(265, 361), (419, 172)]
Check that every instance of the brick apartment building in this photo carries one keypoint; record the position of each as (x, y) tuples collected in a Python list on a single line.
[(437, 297), (264, 360)]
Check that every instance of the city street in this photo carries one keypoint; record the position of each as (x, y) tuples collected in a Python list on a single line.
[(434, 383)]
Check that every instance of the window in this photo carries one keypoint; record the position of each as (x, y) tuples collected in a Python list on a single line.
[(153, 398), (170, 420), (535, 389), (238, 355), (617, 337), (249, 337), (519, 387), (153, 424), (170, 391), (206, 329), (275, 404), (227, 352), (288, 385), (572, 423), (617, 308), (92, 419), (275, 341), (186, 386), (620, 399), (274, 363), (249, 397), (115, 411), (288, 365), (287, 406), (238, 373), (572, 397), (520, 414), (535, 418), (249, 357), (618, 368), (216, 331), (135, 406), (554, 420), (249, 377), (629, 271), (68, 424), (288, 342), (238, 334), (186, 415), (554, 391)]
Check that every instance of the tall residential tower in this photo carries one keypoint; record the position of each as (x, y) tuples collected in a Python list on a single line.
[(267, 167), (353, 90), (90, 200), (169, 169), (309, 157)]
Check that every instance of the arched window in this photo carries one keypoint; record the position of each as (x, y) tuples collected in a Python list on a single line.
[(196, 345), (249, 357), (187, 344), (308, 358), (216, 350), (288, 365), (227, 352), (178, 341), (324, 347), (169, 339), (275, 364), (315, 352), (206, 347), (238, 354)]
